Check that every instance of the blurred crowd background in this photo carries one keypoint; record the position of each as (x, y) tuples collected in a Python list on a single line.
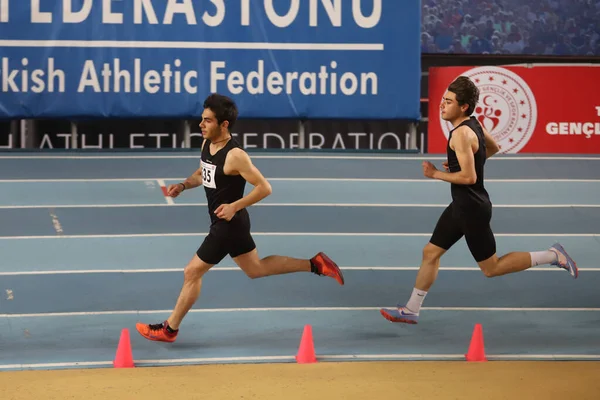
[(533, 27)]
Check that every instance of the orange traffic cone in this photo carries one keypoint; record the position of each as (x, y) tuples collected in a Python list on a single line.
[(306, 351), (476, 348), (124, 357)]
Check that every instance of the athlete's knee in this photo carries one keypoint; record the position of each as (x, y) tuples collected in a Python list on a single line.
[(490, 267), (490, 272), (193, 272), (253, 270), (254, 274), (195, 269), (432, 253), (252, 266)]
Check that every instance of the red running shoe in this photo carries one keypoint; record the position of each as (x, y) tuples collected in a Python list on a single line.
[(156, 332), (326, 266)]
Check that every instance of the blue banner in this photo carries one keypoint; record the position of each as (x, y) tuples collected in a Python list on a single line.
[(161, 58)]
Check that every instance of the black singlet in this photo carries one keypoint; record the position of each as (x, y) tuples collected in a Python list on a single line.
[(470, 212), (469, 198), (220, 188)]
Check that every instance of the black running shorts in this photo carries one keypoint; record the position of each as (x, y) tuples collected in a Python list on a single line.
[(475, 227), (227, 237)]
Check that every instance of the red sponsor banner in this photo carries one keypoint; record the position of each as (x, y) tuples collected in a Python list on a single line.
[(533, 109)]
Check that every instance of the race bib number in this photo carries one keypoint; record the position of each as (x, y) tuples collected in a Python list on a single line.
[(208, 175)]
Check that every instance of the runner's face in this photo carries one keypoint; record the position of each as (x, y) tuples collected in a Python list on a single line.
[(210, 126), (449, 107)]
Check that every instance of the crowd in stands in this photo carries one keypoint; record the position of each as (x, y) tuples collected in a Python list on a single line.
[(537, 27)]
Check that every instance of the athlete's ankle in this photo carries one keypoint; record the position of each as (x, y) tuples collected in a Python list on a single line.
[(416, 300), (171, 328), (313, 267), (543, 257)]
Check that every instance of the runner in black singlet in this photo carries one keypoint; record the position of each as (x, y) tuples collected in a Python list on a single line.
[(224, 170), (470, 212), (225, 237)]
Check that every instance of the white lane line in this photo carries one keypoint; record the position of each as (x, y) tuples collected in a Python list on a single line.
[(296, 309), (300, 234), (291, 358), (220, 269), (416, 157), (170, 202), (320, 179)]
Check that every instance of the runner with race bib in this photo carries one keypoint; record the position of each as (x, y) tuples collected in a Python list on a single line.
[(224, 170)]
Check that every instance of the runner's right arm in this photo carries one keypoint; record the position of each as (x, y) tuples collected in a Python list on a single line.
[(193, 181)]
